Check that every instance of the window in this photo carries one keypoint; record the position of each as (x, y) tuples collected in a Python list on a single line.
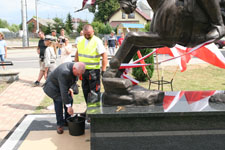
[(131, 16), (123, 15)]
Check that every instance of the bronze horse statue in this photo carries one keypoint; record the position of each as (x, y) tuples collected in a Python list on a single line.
[(184, 22)]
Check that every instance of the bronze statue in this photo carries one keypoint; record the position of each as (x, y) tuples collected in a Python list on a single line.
[(184, 22)]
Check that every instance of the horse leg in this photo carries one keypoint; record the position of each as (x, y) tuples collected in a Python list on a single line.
[(132, 42), (212, 8)]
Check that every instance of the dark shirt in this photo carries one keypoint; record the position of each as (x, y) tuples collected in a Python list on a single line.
[(42, 47), (59, 82), (112, 41)]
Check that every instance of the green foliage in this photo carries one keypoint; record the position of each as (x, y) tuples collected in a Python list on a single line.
[(80, 26), (58, 24), (30, 27), (48, 29), (69, 24), (101, 28), (138, 72), (4, 24), (108, 29), (14, 28), (105, 9)]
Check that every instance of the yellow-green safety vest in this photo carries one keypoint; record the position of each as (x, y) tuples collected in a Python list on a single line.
[(89, 54)]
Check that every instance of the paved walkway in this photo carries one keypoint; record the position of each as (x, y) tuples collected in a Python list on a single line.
[(18, 99)]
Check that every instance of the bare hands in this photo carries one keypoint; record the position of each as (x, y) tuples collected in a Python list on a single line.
[(70, 110)]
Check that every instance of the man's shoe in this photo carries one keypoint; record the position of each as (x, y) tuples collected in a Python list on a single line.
[(36, 83), (59, 130)]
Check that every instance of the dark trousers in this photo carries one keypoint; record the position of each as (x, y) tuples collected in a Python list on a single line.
[(91, 82), (59, 111)]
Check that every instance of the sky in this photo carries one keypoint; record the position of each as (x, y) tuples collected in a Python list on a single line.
[(11, 10)]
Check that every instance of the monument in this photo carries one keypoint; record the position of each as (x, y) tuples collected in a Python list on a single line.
[(132, 117)]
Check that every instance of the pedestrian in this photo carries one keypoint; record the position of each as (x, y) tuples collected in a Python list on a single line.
[(54, 37), (90, 49), (66, 50), (58, 87), (120, 41), (50, 56), (61, 40), (111, 42), (3, 49), (41, 51), (79, 38)]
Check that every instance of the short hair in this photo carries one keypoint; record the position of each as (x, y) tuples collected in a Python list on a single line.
[(62, 30), (80, 66), (87, 27), (41, 32), (3, 36)]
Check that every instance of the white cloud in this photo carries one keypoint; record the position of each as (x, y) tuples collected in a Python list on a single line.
[(11, 9)]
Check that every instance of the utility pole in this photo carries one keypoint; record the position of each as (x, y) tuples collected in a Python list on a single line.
[(37, 25), (26, 24), (24, 20)]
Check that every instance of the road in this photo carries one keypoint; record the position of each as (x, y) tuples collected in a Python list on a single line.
[(23, 58), (28, 58)]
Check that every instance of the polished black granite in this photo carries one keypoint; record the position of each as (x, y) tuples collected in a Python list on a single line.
[(184, 121)]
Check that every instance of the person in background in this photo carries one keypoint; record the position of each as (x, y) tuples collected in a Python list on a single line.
[(112, 43), (41, 51), (3, 49), (66, 50), (89, 50), (50, 56), (120, 41), (58, 87), (61, 40), (79, 38), (54, 37)]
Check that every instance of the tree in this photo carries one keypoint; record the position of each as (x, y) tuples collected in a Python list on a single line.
[(58, 24), (80, 26), (105, 10), (14, 28), (4, 24), (69, 24), (30, 27), (138, 72)]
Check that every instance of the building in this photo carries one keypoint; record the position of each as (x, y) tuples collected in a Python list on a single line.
[(124, 21), (42, 22), (77, 21)]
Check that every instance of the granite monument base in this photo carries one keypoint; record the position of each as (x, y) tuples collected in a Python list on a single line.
[(176, 125)]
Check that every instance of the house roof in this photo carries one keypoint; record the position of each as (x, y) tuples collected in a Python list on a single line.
[(132, 25), (44, 22), (145, 16)]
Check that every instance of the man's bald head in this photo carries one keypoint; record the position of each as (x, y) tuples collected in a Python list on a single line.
[(78, 68), (88, 31)]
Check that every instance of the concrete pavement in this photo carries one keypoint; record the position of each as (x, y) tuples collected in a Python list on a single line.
[(18, 99)]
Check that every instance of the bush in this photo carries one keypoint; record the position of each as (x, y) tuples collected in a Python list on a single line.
[(138, 72)]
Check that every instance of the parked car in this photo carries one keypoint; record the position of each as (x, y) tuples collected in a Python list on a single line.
[(220, 43)]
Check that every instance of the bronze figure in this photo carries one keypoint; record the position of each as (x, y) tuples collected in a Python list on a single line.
[(184, 22)]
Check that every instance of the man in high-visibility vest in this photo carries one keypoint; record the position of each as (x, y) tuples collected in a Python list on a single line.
[(89, 50)]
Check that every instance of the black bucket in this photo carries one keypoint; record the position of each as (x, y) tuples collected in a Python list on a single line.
[(76, 125)]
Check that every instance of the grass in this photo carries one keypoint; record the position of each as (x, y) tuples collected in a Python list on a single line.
[(77, 99), (196, 77), (3, 86)]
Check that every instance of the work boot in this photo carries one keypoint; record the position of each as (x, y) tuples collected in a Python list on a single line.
[(59, 129)]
